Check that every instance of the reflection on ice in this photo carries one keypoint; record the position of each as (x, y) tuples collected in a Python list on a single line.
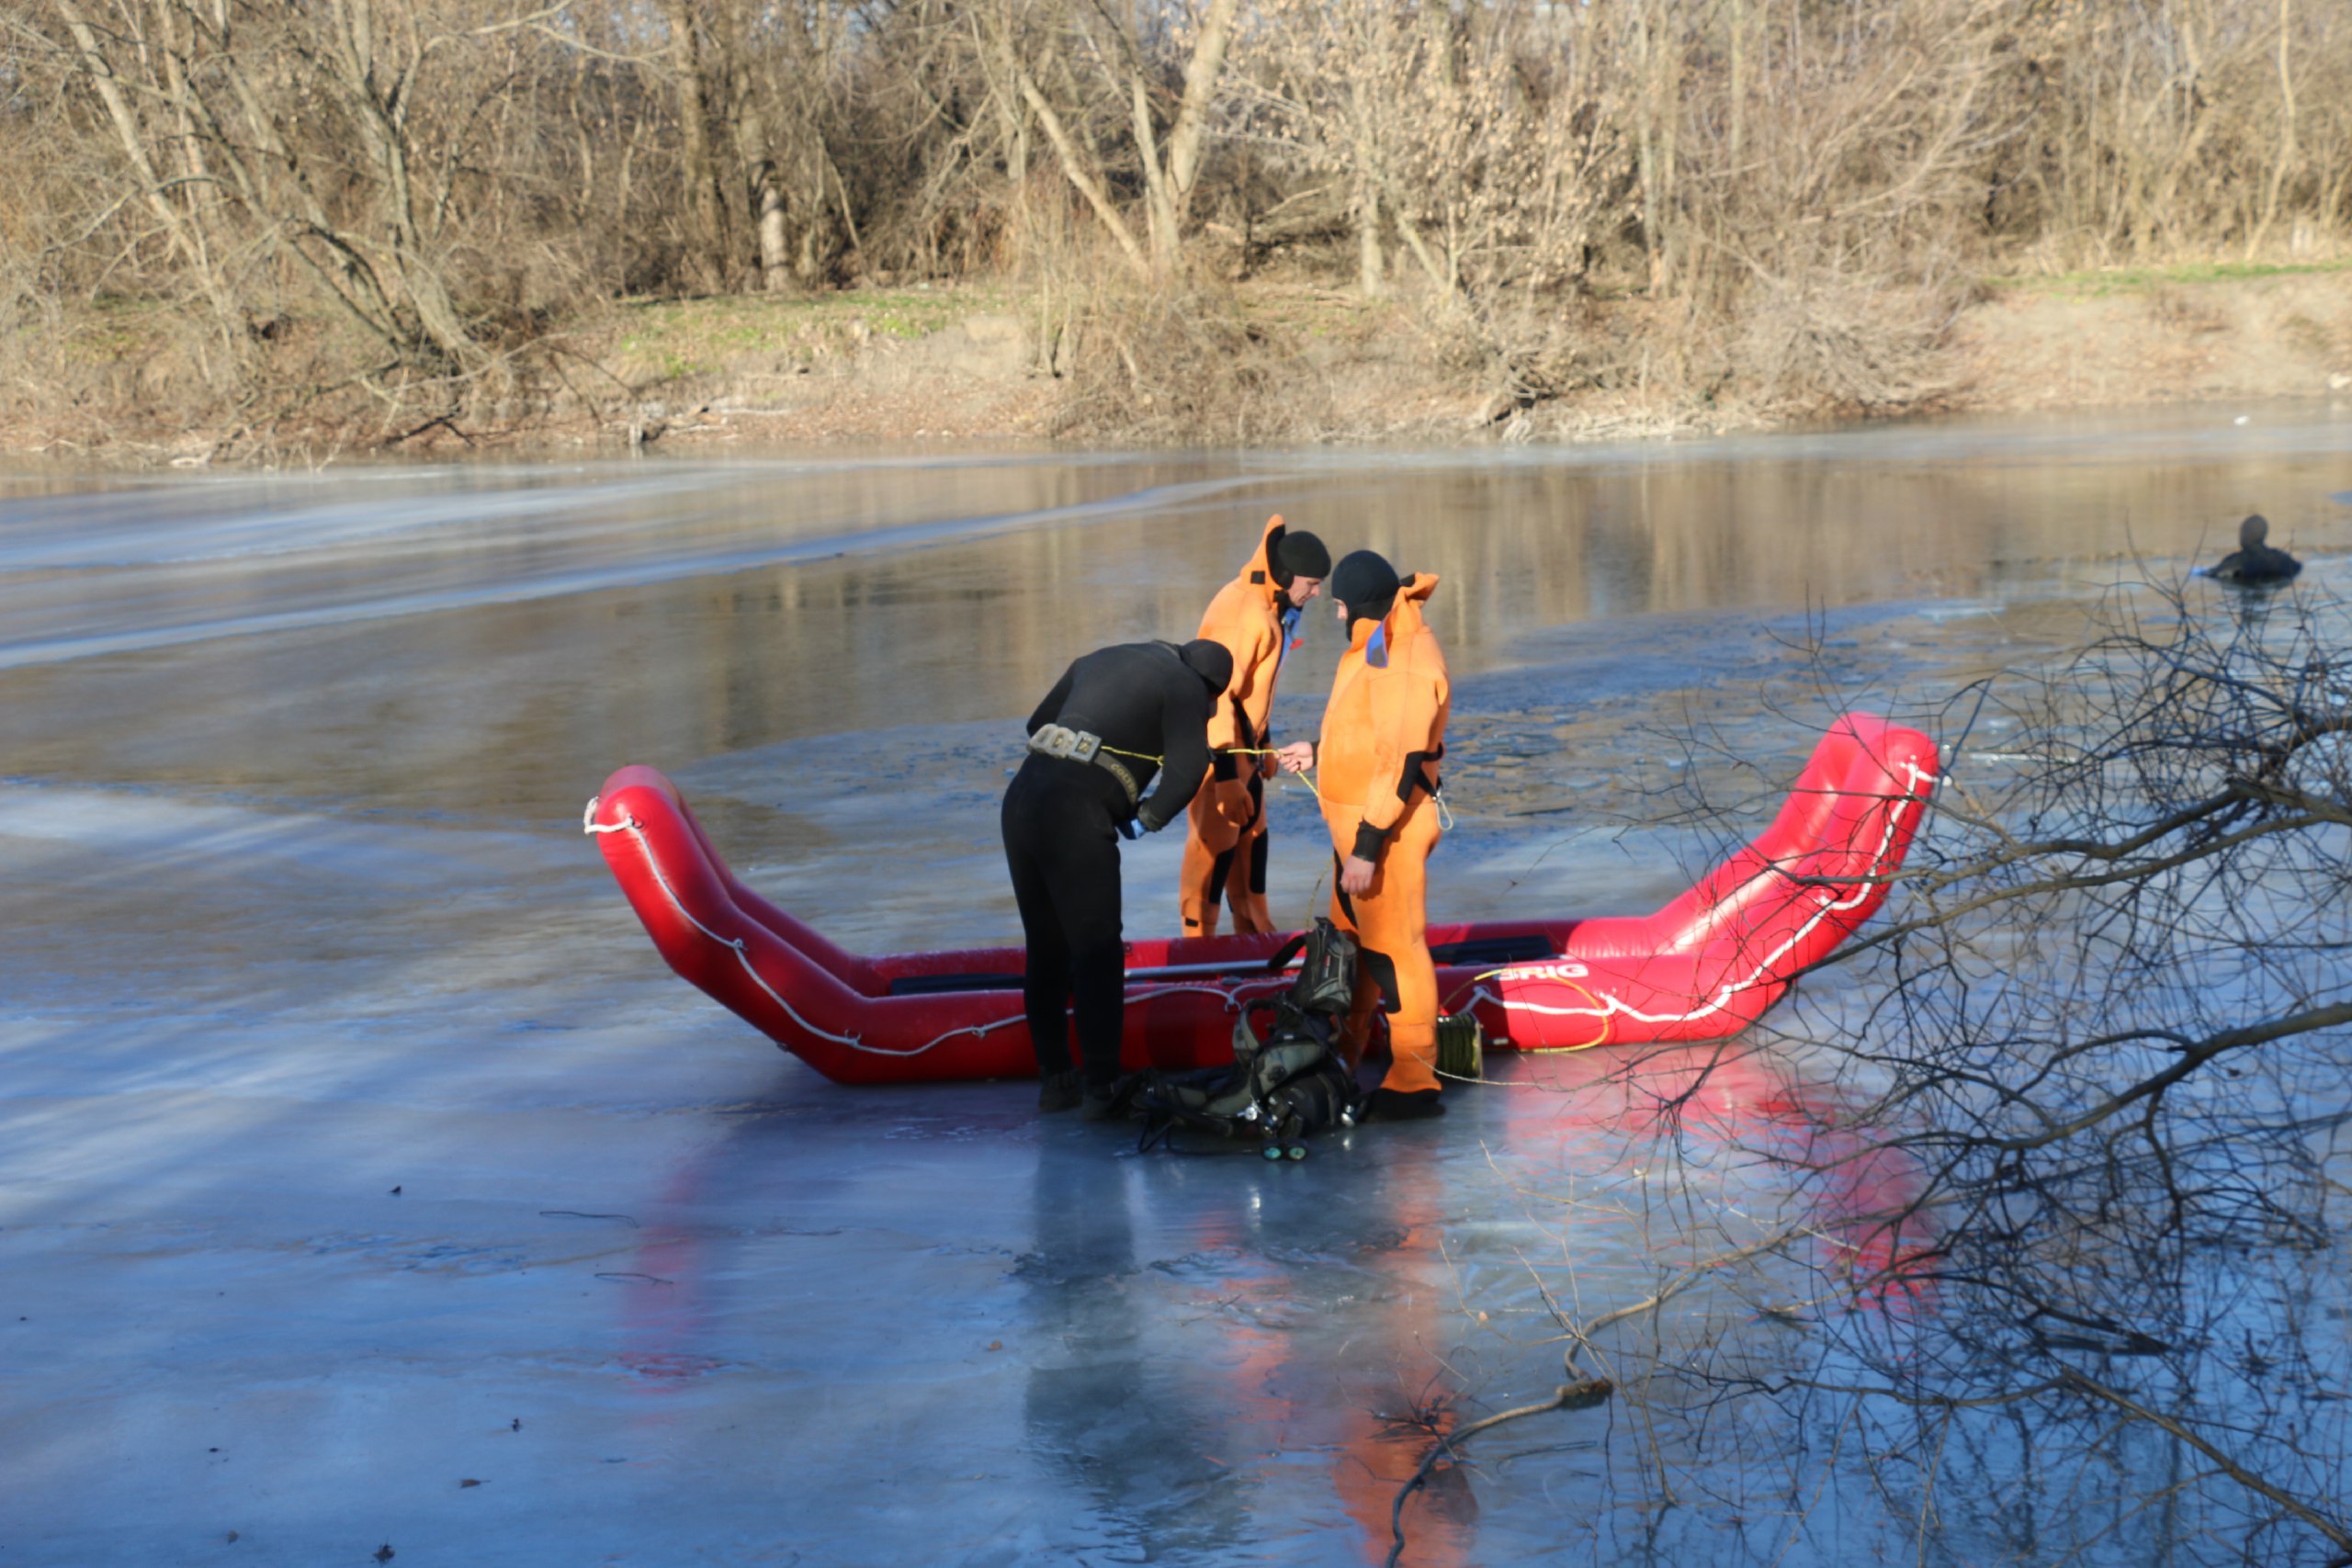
[(1208, 1357), (354, 1146)]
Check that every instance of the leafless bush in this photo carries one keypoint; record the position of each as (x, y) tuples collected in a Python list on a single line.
[(1794, 195), (2167, 131), (1165, 363)]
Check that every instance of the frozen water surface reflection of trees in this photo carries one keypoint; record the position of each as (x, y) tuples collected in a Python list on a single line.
[(357, 1148)]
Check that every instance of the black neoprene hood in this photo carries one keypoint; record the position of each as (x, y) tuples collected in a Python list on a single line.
[(1299, 554), (1211, 660), (1366, 584)]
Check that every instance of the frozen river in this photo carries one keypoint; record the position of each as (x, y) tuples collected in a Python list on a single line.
[(366, 1181)]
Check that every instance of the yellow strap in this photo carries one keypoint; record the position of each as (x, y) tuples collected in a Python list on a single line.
[(1235, 751), (1269, 752), (1232, 750)]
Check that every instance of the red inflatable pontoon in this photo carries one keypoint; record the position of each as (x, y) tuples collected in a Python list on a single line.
[(1705, 966)]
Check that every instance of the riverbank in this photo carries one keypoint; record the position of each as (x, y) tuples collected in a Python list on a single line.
[(1255, 364)]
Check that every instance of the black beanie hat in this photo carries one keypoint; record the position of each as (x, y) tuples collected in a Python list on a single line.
[(1366, 584), (1211, 660), (1299, 555)]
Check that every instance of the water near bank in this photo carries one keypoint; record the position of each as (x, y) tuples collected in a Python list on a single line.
[(293, 768)]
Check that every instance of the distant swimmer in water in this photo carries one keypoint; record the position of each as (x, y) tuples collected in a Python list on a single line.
[(2253, 562)]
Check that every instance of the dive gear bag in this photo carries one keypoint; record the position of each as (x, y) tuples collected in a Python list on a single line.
[(1283, 1087), (1329, 958)]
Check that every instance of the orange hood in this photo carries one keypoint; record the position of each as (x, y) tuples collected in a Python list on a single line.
[(1259, 575), (1403, 623), (1247, 617), (1384, 724)]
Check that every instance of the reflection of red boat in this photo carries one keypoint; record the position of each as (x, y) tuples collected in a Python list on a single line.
[(1704, 967), (1740, 1108)]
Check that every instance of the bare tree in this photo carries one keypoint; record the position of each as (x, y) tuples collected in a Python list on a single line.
[(1784, 203), (2084, 1130), (709, 253), (2113, 1028), (1118, 48)]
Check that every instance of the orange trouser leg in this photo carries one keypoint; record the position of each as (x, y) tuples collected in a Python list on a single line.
[(1210, 843), (1218, 860), (1245, 884), (1391, 921)]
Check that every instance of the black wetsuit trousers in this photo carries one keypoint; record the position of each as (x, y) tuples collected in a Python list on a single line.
[(1061, 842)]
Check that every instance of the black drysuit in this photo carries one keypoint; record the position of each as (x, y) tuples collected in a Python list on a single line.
[(1061, 837)]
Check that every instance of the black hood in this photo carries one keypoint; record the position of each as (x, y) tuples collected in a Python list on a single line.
[(1211, 660), (1366, 584), (1297, 553)]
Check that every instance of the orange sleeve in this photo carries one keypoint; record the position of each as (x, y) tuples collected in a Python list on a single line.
[(1245, 695), (1408, 708), (1254, 678)]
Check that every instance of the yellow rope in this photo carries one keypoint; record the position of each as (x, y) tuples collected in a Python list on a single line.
[(1230, 751), (1268, 751), (1444, 812), (1233, 750)]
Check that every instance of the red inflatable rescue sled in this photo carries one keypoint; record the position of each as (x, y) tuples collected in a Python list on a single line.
[(1704, 967)]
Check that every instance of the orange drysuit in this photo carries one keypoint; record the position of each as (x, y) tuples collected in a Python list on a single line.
[(1225, 851), (1376, 772)]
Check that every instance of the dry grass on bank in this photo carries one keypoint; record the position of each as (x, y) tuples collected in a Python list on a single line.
[(1092, 358)]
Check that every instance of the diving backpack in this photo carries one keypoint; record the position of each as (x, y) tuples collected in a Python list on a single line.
[(1286, 1086)]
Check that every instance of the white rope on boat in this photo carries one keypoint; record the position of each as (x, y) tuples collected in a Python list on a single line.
[(630, 825), (1830, 904), (735, 945), (1231, 994)]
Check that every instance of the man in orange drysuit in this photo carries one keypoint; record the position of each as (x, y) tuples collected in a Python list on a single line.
[(1376, 775), (1254, 616)]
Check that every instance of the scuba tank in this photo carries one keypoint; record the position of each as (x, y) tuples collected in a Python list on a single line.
[(1283, 1086)]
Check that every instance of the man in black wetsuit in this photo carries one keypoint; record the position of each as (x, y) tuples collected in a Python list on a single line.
[(1116, 717)]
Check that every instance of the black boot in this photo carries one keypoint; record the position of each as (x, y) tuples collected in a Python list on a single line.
[(1057, 1091), (1398, 1105), (1104, 1103)]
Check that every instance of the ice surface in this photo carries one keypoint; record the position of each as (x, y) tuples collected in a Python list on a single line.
[(355, 1145)]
